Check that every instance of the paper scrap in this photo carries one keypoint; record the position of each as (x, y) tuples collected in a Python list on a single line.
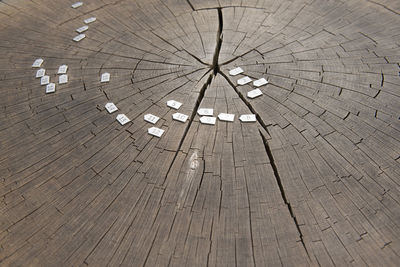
[(151, 118), (235, 71), (105, 77), (40, 73), (82, 29), (50, 88), (205, 111), (62, 69), (244, 80), (79, 37), (111, 107), (77, 4), (226, 117), (37, 63), (90, 20), (44, 80), (174, 104), (63, 79), (260, 82), (155, 131), (248, 118), (180, 117), (208, 120), (122, 119), (254, 93)]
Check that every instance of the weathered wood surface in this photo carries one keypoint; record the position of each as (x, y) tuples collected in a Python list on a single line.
[(315, 181)]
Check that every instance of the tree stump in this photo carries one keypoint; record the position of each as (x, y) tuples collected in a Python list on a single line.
[(153, 149)]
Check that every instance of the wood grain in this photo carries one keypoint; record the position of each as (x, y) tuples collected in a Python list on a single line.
[(314, 181)]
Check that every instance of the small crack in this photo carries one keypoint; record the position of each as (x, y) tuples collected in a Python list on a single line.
[(180, 49), (233, 59), (133, 71), (195, 57), (385, 7)]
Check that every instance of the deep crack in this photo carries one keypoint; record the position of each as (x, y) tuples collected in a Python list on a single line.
[(215, 66), (270, 156), (280, 185), (196, 107), (215, 71)]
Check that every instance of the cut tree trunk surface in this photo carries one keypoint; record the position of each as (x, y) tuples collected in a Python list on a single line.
[(314, 180)]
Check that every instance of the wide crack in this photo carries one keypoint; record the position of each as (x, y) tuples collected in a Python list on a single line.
[(270, 156), (214, 65)]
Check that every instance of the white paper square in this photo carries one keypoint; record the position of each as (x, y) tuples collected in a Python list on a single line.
[(50, 88), (174, 104), (180, 117), (111, 107), (208, 120), (254, 93), (82, 29), (105, 77), (37, 63), (260, 82), (122, 119), (248, 118), (77, 4), (90, 20), (151, 118), (244, 80), (63, 79), (79, 37), (205, 111), (62, 69), (235, 71), (226, 117), (155, 131), (44, 80), (40, 73)]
